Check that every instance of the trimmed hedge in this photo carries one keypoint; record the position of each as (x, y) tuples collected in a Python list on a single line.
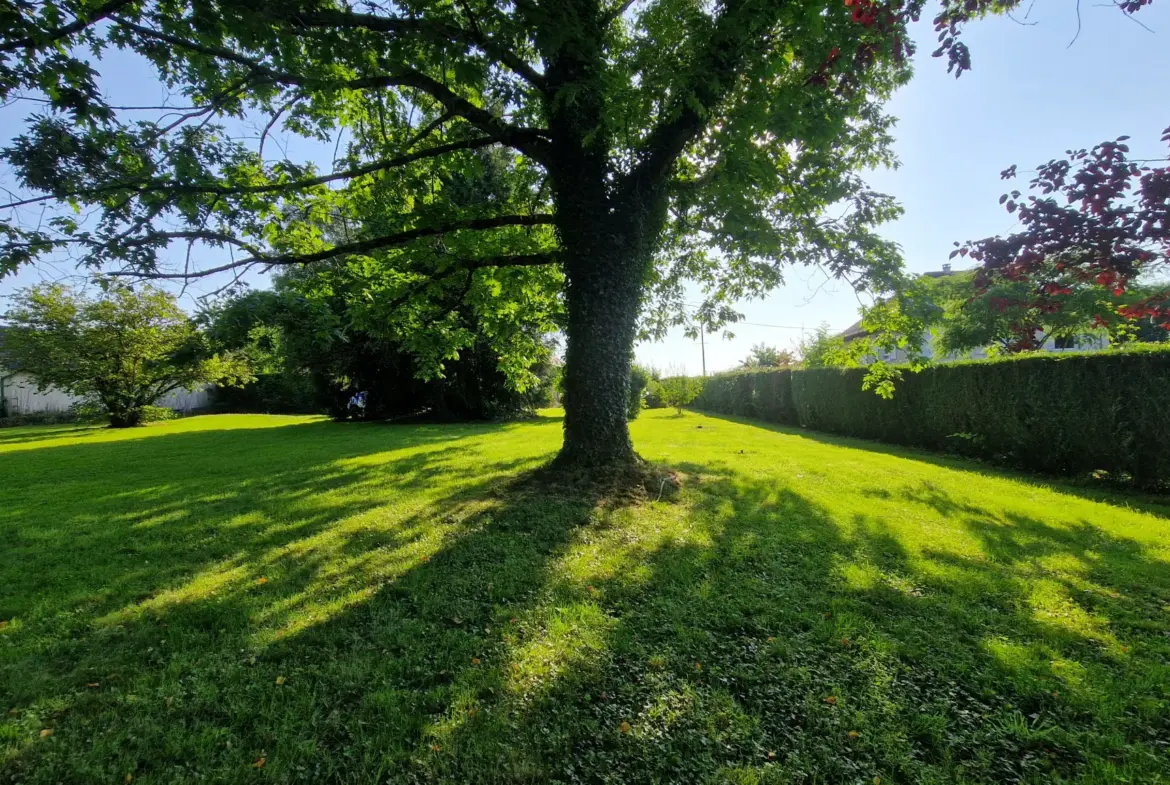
[(1063, 413), (765, 394)]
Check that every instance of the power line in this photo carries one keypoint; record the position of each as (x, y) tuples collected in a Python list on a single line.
[(777, 326), (695, 307)]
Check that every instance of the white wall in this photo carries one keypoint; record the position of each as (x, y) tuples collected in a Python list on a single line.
[(187, 400), (21, 396), (1084, 343)]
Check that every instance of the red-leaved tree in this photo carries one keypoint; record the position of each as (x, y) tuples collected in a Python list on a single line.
[(1097, 222)]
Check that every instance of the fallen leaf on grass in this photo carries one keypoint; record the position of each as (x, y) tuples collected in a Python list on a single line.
[(261, 581), (853, 734), (475, 660), (624, 727), (46, 733), (280, 680), (831, 700), (3, 623), (435, 748), (94, 685), (259, 763)]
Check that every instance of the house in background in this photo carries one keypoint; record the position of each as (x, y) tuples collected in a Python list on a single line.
[(1081, 343), (19, 393)]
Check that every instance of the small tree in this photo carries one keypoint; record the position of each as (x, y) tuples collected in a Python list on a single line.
[(1096, 224), (123, 350), (679, 391)]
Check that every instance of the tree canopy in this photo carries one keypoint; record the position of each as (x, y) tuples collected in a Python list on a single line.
[(648, 144), (124, 350), (1079, 262), (764, 356)]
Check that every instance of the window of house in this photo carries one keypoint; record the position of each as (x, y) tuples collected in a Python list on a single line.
[(1065, 342)]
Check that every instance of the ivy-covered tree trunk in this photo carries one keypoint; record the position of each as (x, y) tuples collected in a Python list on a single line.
[(606, 243), (603, 293)]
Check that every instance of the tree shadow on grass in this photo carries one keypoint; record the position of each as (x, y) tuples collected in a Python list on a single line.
[(510, 633), (769, 641), (153, 623), (129, 516), (25, 434)]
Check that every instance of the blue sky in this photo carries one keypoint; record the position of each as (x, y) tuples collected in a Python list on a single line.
[(1029, 97)]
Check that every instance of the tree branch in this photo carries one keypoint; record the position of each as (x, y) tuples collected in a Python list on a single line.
[(364, 246), (739, 32), (76, 26), (440, 31), (176, 189), (615, 13), (526, 140), (272, 122)]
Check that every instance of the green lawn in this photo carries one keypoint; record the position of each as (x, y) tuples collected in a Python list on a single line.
[(283, 599)]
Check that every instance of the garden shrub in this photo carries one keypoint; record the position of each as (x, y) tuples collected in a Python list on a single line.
[(158, 414), (639, 378), (653, 396), (1067, 413), (19, 420)]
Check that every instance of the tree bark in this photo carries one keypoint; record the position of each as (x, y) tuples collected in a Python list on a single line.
[(130, 418), (606, 268)]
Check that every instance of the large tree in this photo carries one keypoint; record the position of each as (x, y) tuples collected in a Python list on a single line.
[(661, 141)]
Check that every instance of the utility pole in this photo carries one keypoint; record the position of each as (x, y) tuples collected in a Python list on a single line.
[(703, 348)]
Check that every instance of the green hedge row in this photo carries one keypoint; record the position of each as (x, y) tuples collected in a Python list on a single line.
[(1060, 413), (764, 395)]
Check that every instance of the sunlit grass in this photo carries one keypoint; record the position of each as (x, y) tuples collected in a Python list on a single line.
[(246, 598)]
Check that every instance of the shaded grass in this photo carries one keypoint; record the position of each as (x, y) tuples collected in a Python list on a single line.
[(804, 611)]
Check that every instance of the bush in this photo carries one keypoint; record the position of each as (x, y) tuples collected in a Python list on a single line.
[(1066, 413), (639, 379), (653, 396), (158, 414)]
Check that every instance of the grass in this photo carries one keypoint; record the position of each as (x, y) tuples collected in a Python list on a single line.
[(283, 599)]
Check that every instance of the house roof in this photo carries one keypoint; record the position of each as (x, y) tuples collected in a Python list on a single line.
[(853, 331)]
